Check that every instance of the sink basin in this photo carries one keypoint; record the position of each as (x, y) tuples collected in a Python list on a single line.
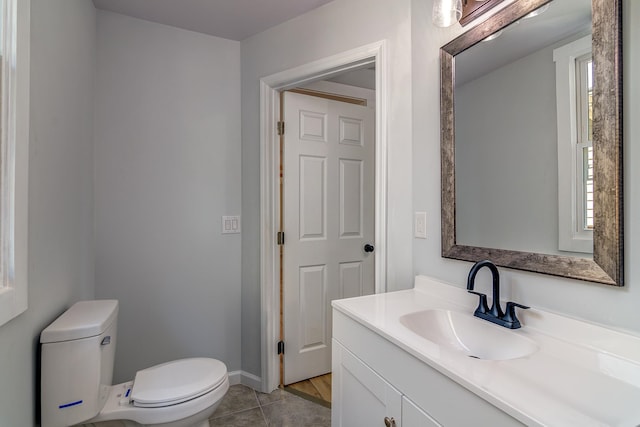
[(465, 333)]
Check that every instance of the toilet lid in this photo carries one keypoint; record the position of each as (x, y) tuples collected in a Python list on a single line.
[(176, 382)]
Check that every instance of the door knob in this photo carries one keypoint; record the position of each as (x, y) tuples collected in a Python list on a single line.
[(389, 422), (368, 248)]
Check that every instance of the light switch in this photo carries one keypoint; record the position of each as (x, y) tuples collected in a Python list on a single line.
[(420, 224), (230, 224)]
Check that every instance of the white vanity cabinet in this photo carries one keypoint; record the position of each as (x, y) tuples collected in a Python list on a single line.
[(366, 399), (408, 355), (373, 380), (412, 416)]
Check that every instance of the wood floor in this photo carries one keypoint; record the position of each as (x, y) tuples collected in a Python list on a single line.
[(317, 389)]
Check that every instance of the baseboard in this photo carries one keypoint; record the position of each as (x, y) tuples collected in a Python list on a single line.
[(245, 378)]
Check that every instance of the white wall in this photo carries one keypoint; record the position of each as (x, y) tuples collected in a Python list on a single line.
[(616, 307), (167, 167), (333, 28), (60, 192)]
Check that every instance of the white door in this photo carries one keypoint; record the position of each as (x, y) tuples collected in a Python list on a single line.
[(328, 213)]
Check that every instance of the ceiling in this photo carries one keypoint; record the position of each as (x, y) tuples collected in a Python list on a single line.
[(562, 19), (229, 19)]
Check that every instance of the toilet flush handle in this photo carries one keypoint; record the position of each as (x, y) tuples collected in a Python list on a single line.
[(106, 340)]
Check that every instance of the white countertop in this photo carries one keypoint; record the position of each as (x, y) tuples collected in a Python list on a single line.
[(582, 374)]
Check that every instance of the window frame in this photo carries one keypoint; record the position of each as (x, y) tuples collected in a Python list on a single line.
[(572, 236), (14, 155), (584, 141)]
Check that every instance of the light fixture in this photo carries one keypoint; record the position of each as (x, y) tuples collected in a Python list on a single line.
[(492, 36), (446, 12), (538, 11)]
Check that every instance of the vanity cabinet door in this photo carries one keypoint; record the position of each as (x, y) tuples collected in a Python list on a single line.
[(412, 416), (361, 398)]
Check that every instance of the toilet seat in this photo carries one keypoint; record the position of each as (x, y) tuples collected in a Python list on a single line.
[(176, 382), (119, 405)]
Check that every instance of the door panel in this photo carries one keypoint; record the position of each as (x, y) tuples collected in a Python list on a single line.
[(312, 197), (313, 290), (351, 131), (351, 279), (313, 126), (351, 175), (328, 205)]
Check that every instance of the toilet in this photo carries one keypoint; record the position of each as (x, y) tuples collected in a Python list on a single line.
[(77, 357)]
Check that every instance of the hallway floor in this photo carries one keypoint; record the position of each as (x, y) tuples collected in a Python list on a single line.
[(317, 389), (244, 407)]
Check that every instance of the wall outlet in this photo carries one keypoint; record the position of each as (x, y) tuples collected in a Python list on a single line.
[(420, 225), (230, 224)]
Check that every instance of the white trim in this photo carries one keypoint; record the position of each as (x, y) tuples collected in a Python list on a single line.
[(269, 161), (245, 378), (15, 160), (571, 237)]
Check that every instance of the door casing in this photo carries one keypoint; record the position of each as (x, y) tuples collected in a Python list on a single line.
[(270, 87)]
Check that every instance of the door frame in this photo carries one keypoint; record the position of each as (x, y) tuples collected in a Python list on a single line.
[(270, 86)]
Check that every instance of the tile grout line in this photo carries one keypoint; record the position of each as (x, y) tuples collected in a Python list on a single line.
[(241, 410), (264, 417), (234, 412), (280, 398)]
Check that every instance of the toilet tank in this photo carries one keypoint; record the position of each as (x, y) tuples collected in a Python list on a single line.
[(77, 356)]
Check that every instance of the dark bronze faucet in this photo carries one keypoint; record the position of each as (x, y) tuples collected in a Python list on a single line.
[(494, 314)]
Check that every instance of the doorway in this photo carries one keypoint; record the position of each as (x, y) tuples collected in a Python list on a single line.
[(271, 305)]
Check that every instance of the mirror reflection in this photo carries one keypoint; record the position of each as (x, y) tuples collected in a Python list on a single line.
[(523, 153)]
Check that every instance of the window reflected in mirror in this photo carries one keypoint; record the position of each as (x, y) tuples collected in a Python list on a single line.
[(574, 113)]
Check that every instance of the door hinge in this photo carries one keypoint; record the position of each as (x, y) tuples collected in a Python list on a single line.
[(280, 128), (280, 237), (280, 347)]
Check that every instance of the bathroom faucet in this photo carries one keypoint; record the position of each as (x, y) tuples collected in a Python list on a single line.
[(494, 314)]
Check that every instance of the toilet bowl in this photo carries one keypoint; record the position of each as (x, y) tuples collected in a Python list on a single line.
[(175, 394), (77, 359)]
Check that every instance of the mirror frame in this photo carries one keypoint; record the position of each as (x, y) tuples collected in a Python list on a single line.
[(608, 245)]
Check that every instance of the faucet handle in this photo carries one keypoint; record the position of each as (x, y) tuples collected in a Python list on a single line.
[(511, 305), (510, 314), (483, 307)]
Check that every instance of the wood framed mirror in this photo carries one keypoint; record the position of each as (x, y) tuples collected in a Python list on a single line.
[(605, 264)]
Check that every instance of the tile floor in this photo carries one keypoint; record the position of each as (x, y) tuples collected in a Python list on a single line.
[(244, 407)]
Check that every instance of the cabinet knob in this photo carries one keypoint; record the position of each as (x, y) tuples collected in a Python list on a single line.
[(389, 422)]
